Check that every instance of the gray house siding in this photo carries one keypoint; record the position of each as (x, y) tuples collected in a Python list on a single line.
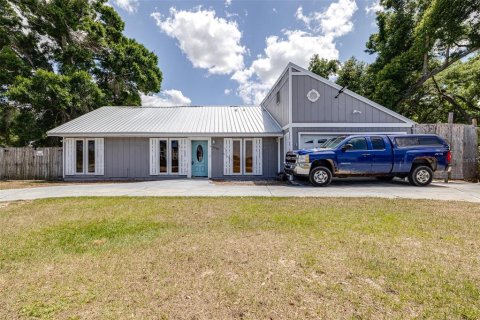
[(269, 160), (296, 130), (128, 159), (125, 158), (329, 109), (280, 112)]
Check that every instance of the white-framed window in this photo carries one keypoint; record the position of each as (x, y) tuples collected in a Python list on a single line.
[(237, 156), (248, 156), (168, 156), (84, 156), (243, 156)]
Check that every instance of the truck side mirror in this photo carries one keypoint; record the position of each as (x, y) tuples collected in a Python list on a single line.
[(347, 146)]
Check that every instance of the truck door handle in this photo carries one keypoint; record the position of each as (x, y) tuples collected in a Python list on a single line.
[(366, 154)]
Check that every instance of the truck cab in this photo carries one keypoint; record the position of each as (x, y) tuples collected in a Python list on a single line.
[(381, 156)]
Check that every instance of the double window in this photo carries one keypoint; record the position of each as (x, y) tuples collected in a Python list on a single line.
[(168, 156), (85, 156), (243, 156)]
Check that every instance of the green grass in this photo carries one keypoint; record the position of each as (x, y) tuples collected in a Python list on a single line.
[(244, 258)]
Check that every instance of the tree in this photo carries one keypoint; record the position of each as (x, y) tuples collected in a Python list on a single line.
[(454, 90), (323, 67), (62, 58), (417, 40), (353, 74)]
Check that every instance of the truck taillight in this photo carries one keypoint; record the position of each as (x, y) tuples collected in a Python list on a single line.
[(449, 156)]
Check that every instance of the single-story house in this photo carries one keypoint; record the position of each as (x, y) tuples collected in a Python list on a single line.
[(301, 111)]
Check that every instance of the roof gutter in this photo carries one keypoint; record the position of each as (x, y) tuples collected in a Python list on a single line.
[(159, 134)]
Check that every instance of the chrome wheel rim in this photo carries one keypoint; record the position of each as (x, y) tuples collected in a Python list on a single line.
[(320, 176), (423, 176)]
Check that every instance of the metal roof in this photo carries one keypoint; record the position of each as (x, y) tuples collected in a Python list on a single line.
[(172, 121)]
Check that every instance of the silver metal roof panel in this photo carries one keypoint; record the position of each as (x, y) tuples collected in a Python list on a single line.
[(172, 121)]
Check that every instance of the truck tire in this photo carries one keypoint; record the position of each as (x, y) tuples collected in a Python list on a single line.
[(420, 176), (320, 176)]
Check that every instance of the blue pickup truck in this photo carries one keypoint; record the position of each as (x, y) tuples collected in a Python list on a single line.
[(381, 156)]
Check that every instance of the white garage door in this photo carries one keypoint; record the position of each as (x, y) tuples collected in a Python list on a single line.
[(310, 141)]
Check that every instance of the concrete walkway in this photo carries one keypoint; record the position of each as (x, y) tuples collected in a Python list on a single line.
[(461, 191)]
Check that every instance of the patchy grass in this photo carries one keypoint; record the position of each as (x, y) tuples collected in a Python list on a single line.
[(20, 184), (244, 258)]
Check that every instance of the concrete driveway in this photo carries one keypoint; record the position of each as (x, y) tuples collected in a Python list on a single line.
[(195, 187)]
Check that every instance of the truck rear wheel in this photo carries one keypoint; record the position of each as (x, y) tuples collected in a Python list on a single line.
[(420, 176), (320, 176)]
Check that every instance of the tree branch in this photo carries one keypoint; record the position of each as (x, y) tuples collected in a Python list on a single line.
[(425, 77)]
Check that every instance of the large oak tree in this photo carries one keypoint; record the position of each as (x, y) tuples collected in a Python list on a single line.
[(62, 58)]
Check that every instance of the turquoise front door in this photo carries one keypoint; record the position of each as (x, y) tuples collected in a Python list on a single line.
[(199, 158)]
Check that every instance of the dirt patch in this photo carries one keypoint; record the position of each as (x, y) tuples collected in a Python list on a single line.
[(248, 182)]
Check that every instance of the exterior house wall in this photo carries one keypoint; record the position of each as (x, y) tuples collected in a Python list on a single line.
[(329, 109), (279, 112), (129, 158), (296, 130), (269, 160), (125, 159)]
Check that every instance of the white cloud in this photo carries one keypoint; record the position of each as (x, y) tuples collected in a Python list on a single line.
[(227, 91), (166, 98), (274, 10), (127, 5), (228, 3), (374, 7), (209, 42), (296, 46), (333, 22)]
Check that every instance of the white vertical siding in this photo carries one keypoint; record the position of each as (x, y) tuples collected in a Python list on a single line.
[(154, 165), (69, 156), (257, 157), (228, 156), (99, 157), (183, 156)]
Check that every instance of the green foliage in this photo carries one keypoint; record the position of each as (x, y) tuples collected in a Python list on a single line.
[(62, 58), (353, 74), (323, 67), (425, 62), (417, 40), (46, 100)]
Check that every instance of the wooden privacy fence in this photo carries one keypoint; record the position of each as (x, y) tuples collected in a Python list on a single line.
[(463, 142), (31, 164)]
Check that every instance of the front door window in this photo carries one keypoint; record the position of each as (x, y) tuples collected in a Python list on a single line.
[(199, 153)]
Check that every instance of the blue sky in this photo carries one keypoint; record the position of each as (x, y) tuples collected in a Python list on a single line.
[(230, 52)]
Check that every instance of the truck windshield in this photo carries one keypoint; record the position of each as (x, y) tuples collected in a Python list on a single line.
[(333, 142)]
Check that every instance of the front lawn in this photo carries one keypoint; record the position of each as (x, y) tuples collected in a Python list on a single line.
[(241, 258)]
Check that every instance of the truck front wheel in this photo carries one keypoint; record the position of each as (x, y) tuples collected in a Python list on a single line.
[(420, 176), (320, 176)]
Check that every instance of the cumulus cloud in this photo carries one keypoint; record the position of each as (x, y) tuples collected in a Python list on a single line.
[(208, 41), (297, 46), (374, 7), (127, 5), (227, 91), (166, 98), (333, 22), (228, 3)]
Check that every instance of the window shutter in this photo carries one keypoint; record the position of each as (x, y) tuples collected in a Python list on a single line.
[(154, 165), (99, 157), (287, 143), (227, 156), (69, 150), (183, 156), (257, 157)]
